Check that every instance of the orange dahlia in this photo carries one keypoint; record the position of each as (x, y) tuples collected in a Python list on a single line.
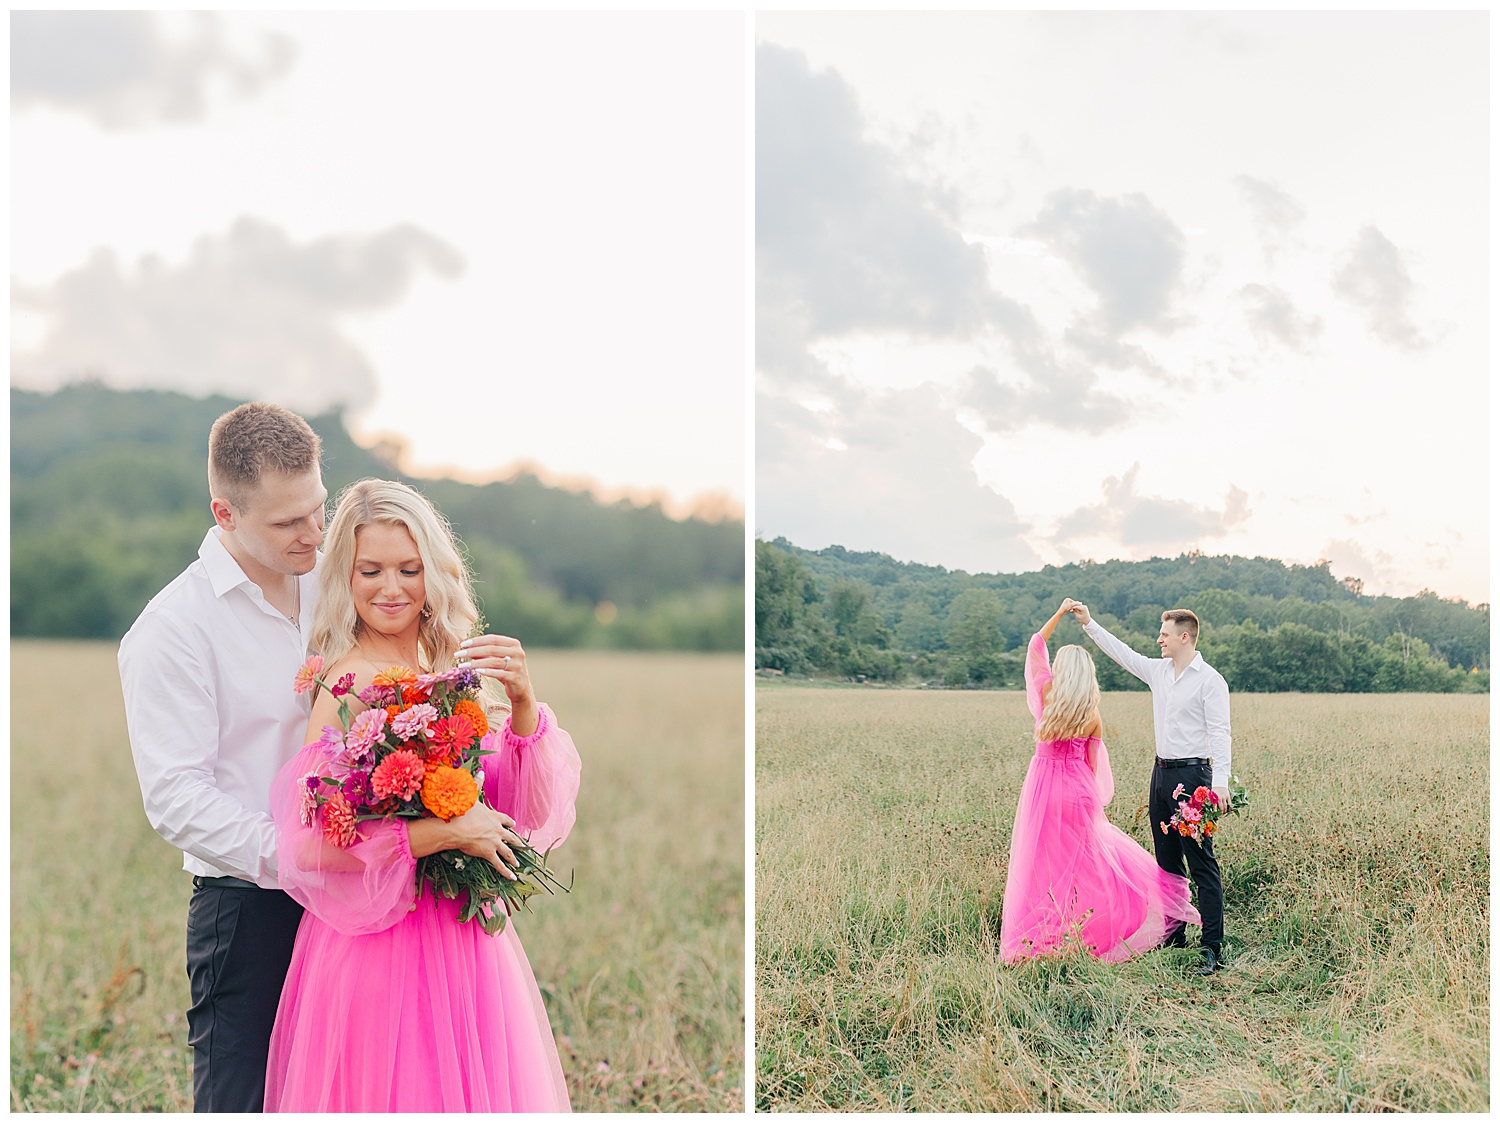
[(338, 821), (475, 713), (400, 774), (449, 791)]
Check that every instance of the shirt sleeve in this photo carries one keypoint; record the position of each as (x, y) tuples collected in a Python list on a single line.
[(173, 721), (1216, 722), (1121, 652), (534, 779)]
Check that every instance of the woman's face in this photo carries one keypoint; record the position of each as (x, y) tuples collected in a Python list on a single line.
[(388, 584)]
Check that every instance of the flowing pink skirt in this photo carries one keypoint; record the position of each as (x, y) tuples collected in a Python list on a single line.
[(428, 1015), (1076, 877)]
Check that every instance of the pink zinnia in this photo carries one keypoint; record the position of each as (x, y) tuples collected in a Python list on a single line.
[(338, 821), (400, 774), (307, 807), (307, 675), (408, 723), (364, 731), (1200, 795)]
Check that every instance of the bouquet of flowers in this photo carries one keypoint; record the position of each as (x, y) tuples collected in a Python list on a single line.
[(415, 753), (1197, 817)]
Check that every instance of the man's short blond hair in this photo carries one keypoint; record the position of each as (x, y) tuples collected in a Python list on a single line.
[(253, 439), (1185, 620)]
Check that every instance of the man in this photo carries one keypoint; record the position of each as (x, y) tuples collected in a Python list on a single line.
[(1190, 707), (207, 672)]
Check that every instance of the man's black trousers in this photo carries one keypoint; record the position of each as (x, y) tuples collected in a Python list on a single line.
[(239, 946), (1173, 849)]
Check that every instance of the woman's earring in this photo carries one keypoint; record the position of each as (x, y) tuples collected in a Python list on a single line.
[(426, 611)]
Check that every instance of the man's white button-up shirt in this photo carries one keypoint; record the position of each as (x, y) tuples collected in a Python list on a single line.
[(1191, 711), (207, 672)]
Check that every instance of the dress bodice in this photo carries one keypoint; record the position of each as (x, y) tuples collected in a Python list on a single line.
[(1069, 748)]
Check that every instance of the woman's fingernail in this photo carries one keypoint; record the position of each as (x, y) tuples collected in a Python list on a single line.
[(466, 643)]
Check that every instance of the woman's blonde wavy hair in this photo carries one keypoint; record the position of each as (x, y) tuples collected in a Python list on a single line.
[(1072, 704), (448, 617)]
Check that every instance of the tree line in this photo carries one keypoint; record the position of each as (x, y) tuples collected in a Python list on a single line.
[(109, 502), (1265, 625)]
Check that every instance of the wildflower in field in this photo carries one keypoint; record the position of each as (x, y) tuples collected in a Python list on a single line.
[(447, 792), (307, 674), (400, 775)]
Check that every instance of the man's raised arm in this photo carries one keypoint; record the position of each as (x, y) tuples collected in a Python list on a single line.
[(1122, 653)]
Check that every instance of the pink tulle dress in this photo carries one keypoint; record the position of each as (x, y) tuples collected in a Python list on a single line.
[(391, 1003), (1074, 875)]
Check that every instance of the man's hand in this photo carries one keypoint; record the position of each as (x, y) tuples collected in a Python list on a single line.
[(1081, 613), (1223, 794)]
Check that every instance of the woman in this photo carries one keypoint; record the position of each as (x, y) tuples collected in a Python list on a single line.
[(391, 1003), (1075, 877)]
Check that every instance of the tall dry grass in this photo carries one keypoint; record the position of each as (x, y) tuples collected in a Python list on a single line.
[(1357, 915), (641, 967)]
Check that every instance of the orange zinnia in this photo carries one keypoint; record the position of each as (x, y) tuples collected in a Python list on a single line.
[(448, 792), (396, 676), (475, 713)]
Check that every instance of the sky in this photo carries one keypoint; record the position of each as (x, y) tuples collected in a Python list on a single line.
[(501, 238), (1035, 288)]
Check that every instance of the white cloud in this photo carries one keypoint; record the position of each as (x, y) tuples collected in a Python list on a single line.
[(249, 313)]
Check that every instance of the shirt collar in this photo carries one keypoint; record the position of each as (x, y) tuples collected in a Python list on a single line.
[(224, 573)]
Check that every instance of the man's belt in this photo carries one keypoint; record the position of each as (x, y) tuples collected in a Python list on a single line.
[(223, 883), (1183, 762)]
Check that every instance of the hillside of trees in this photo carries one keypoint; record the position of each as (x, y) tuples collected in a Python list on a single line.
[(1266, 626), (109, 502)]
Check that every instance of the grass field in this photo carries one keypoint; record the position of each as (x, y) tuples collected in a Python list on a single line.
[(642, 967), (1357, 915)]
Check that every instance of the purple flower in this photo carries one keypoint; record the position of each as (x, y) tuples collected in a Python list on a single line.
[(467, 678), (377, 696), (343, 686)]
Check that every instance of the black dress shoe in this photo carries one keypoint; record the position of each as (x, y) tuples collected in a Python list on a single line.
[(1212, 962)]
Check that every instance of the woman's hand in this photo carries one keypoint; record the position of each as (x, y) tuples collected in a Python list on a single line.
[(481, 831), (503, 659)]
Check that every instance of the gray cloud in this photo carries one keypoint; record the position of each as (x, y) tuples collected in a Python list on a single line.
[(249, 312), (122, 70), (841, 233), (1145, 522), (1274, 209), (904, 483), (1125, 249), (1271, 313), (1373, 277), (846, 242)]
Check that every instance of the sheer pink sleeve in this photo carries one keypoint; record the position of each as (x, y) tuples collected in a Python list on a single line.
[(1104, 779), (364, 888), (1038, 674), (534, 779)]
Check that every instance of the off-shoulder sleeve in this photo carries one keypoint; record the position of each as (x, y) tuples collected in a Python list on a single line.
[(364, 888), (1104, 778), (534, 779), (1038, 674)]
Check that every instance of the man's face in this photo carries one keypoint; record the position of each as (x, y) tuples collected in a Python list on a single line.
[(280, 524), (1173, 639)]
